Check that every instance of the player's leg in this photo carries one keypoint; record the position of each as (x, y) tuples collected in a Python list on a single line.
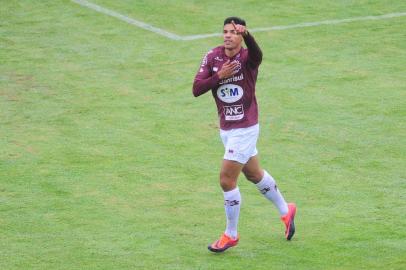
[(252, 170), (267, 186), (230, 170), (233, 161), (229, 173)]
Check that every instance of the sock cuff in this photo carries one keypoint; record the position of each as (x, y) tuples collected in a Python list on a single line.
[(266, 180), (231, 193)]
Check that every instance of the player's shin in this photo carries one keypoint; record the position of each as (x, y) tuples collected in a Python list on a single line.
[(267, 186), (232, 203)]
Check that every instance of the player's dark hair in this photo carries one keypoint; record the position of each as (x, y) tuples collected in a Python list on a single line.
[(236, 20)]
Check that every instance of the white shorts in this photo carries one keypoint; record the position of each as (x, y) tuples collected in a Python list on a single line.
[(241, 143)]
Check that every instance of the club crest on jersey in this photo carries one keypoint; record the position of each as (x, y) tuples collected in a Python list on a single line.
[(230, 93), (238, 66)]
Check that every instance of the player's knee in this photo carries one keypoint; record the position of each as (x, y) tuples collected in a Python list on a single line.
[(227, 181), (228, 185), (249, 176), (254, 177)]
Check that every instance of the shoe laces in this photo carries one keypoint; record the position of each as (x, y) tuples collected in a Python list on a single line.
[(224, 239)]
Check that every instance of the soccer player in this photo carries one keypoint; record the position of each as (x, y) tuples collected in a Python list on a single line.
[(230, 72)]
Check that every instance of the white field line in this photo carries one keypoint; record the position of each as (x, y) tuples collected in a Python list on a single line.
[(172, 36), (126, 19)]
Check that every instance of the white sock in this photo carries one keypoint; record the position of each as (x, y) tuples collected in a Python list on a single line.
[(269, 189), (232, 202)]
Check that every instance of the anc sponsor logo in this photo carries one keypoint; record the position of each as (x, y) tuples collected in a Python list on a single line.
[(233, 113)]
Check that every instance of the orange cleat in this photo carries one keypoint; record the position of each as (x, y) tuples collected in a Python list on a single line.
[(289, 220), (223, 243)]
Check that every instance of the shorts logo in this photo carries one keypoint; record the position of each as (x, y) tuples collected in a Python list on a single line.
[(230, 93), (234, 112)]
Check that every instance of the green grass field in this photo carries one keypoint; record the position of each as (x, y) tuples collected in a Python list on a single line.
[(107, 161)]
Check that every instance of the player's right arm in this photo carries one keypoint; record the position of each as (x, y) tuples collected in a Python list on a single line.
[(206, 80)]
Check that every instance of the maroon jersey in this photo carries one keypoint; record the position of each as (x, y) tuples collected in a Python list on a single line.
[(235, 96)]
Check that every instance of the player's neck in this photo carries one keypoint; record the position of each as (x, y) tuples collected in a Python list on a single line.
[(231, 52)]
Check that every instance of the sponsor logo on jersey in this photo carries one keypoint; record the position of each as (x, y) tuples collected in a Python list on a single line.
[(230, 93), (233, 79), (218, 58), (234, 112)]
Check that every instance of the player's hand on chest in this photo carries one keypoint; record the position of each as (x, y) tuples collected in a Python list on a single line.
[(227, 68)]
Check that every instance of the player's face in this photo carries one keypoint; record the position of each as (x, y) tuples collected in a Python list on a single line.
[(231, 39)]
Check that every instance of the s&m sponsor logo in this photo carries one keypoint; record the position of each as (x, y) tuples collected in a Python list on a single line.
[(230, 93)]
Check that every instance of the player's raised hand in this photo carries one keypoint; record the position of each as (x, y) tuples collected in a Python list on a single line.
[(240, 29)]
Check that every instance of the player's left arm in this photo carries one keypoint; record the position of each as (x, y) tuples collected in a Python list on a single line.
[(254, 52)]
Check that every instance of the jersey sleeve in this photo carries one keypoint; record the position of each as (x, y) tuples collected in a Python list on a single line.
[(254, 52), (205, 79)]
